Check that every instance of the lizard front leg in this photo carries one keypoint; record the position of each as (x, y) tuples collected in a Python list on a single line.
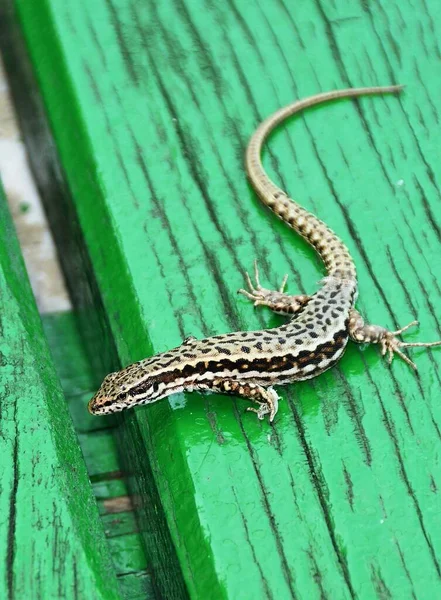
[(277, 301), (266, 398), (389, 343)]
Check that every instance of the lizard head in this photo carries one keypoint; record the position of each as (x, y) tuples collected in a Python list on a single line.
[(114, 393), (134, 385), (105, 400)]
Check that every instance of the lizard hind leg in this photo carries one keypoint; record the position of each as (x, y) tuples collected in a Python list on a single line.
[(387, 340), (276, 300), (266, 398)]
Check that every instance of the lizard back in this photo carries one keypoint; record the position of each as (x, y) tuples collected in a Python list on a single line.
[(311, 342)]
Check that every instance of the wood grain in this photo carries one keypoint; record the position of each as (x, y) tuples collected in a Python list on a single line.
[(150, 107), (101, 458), (51, 539)]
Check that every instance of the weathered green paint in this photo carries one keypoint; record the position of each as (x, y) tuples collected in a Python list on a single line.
[(51, 538), (101, 458), (151, 105)]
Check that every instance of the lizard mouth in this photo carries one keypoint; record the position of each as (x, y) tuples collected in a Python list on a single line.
[(92, 408), (105, 405), (100, 405)]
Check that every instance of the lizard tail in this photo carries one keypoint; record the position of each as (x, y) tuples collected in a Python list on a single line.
[(331, 249)]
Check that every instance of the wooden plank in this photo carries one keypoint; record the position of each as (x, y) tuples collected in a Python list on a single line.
[(101, 458), (51, 539), (150, 107)]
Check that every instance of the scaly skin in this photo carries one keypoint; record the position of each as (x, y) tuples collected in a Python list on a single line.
[(249, 363)]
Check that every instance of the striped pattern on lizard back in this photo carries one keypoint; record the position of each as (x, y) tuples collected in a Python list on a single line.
[(311, 342)]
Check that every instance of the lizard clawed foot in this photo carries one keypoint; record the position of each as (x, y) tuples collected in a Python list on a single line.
[(269, 407), (257, 293), (391, 345)]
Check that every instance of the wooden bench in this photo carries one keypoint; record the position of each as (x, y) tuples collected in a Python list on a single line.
[(136, 117), (51, 539)]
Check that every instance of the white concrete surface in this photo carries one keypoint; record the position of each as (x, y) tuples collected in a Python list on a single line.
[(25, 206)]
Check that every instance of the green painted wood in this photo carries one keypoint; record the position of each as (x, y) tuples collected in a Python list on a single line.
[(51, 539), (150, 107), (101, 458)]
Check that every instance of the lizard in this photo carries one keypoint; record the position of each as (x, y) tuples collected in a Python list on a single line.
[(249, 363)]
